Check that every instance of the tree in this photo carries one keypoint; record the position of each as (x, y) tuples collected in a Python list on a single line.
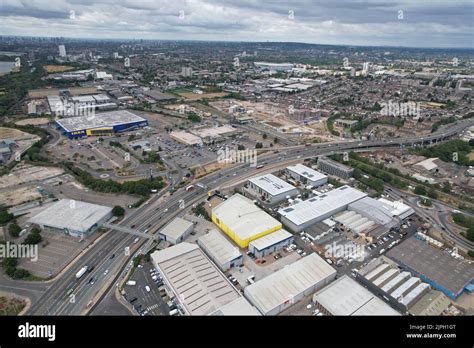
[(432, 193), (264, 136), (14, 229), (471, 253), (470, 233), (5, 216), (34, 237), (447, 187), (118, 211), (258, 145), (240, 147), (420, 190), (275, 140)]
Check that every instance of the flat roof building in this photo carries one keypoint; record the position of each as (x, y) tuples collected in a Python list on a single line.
[(436, 267), (243, 221), (307, 175), (345, 296), (222, 252), (270, 243), (270, 188), (106, 123), (186, 138), (285, 287), (334, 168), (176, 231), (306, 213), (72, 217), (198, 285)]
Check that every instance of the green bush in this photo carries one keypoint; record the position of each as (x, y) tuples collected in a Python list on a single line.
[(14, 229)]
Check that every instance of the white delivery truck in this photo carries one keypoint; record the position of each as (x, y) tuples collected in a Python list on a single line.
[(81, 272)]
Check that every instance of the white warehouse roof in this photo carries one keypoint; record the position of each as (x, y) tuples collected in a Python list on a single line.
[(243, 217), (239, 306), (306, 172), (219, 247), (345, 296), (280, 287), (71, 214), (176, 228), (197, 282), (314, 207), (272, 184), (271, 239)]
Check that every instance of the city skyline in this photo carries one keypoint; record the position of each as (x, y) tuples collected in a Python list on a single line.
[(436, 24)]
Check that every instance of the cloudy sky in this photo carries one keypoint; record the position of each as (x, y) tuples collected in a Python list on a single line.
[(414, 23)]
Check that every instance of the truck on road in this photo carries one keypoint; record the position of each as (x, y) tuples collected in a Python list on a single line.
[(81, 272)]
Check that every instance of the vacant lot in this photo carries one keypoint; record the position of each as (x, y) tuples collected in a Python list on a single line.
[(57, 68), (40, 121), (11, 305), (24, 173)]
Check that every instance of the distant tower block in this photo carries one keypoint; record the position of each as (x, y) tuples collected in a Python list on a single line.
[(62, 50)]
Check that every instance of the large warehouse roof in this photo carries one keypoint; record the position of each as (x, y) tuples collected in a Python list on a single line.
[(310, 209), (71, 214), (199, 285), (219, 247), (272, 184), (306, 172), (345, 296), (441, 269), (293, 279), (243, 217), (98, 120)]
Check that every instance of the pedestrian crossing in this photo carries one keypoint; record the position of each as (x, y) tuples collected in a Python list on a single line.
[(150, 308)]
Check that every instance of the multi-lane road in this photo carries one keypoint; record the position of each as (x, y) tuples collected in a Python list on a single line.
[(108, 256)]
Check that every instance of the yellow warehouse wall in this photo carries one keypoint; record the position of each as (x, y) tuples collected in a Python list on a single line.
[(242, 243)]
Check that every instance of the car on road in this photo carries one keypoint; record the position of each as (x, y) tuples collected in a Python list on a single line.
[(106, 272), (147, 288), (92, 281), (113, 255)]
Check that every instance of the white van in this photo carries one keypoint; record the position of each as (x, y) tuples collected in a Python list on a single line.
[(174, 312)]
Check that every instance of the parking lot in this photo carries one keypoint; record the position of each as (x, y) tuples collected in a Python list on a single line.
[(54, 253), (147, 301)]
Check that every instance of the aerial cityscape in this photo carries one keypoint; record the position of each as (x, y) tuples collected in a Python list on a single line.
[(226, 158)]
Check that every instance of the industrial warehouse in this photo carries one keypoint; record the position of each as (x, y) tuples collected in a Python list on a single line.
[(199, 286), (270, 243), (220, 250), (306, 213), (271, 189), (406, 293), (106, 123), (306, 175), (441, 270), (345, 296), (243, 221), (72, 217), (280, 290), (176, 231)]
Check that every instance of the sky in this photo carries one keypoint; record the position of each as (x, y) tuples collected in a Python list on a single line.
[(409, 23)]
